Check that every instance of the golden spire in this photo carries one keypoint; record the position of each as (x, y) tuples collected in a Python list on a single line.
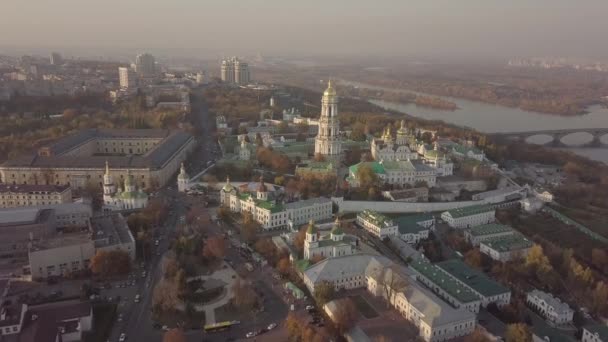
[(330, 91)]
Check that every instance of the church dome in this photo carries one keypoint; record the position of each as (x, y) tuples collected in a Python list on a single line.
[(330, 91), (312, 229), (227, 187), (337, 230)]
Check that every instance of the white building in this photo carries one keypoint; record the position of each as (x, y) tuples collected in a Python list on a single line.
[(328, 142), (127, 78), (260, 200), (436, 319), (484, 232), (128, 199), (415, 228), (488, 290), (595, 333), (376, 224), (400, 173), (466, 152), (235, 71), (552, 309), (506, 248), (329, 246), (388, 149), (24, 195), (183, 180), (469, 216), (68, 253), (439, 161)]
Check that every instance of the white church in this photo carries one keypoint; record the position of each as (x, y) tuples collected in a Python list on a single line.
[(326, 246), (127, 198)]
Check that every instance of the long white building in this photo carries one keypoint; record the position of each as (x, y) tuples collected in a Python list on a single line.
[(25, 195), (551, 308), (468, 217), (436, 320)]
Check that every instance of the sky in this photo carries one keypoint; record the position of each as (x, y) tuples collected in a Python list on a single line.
[(434, 28)]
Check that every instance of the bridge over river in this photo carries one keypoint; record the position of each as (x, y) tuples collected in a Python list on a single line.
[(557, 135)]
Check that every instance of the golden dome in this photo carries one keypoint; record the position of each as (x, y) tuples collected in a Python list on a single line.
[(330, 91)]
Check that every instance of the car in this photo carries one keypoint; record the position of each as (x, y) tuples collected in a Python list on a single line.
[(250, 334), (120, 318), (143, 274), (137, 298), (165, 328), (309, 308), (122, 338), (271, 326)]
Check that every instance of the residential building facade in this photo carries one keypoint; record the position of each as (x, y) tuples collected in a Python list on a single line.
[(468, 217), (551, 308), (24, 195), (376, 224)]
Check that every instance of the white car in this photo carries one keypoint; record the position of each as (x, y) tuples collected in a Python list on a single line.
[(271, 326), (137, 298), (122, 338), (250, 334)]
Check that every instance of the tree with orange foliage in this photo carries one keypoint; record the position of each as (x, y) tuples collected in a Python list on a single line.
[(174, 335), (110, 263), (215, 248)]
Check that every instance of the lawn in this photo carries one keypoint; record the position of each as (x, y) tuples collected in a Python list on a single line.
[(364, 307), (104, 316)]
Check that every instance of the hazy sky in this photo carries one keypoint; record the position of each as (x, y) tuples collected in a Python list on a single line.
[(371, 27)]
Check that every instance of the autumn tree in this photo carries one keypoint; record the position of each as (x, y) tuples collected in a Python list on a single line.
[(518, 332), (366, 176), (215, 248), (298, 241), (537, 260), (266, 248), (174, 335), (284, 266), (477, 336), (324, 292), (108, 264), (600, 298), (345, 315)]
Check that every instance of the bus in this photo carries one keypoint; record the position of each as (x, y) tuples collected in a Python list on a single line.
[(220, 326)]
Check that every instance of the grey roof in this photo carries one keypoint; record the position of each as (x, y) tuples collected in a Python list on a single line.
[(348, 265), (24, 215), (307, 203), (155, 158), (110, 230)]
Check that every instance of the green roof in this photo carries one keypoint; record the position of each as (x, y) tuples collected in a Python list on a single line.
[(408, 224), (244, 196), (376, 167), (398, 165), (490, 229), (444, 281), (474, 279), (312, 229), (337, 230), (376, 218), (464, 149), (329, 242), (274, 208), (508, 243), (468, 211), (600, 329)]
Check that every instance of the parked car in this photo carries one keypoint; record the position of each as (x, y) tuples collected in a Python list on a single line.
[(271, 326), (123, 337), (137, 298)]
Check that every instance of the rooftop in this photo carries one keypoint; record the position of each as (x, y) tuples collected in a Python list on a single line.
[(376, 218), (469, 211), (110, 230), (24, 215), (157, 157), (307, 203), (490, 229), (411, 223), (558, 305), (448, 284), (508, 243), (32, 188), (474, 279), (600, 329), (62, 240)]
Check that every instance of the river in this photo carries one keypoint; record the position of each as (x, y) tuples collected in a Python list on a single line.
[(491, 118)]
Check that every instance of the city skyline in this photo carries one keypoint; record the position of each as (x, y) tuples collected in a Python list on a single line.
[(471, 28)]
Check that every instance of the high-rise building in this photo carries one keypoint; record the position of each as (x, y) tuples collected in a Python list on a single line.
[(126, 77), (55, 59), (235, 71), (327, 142), (145, 65)]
